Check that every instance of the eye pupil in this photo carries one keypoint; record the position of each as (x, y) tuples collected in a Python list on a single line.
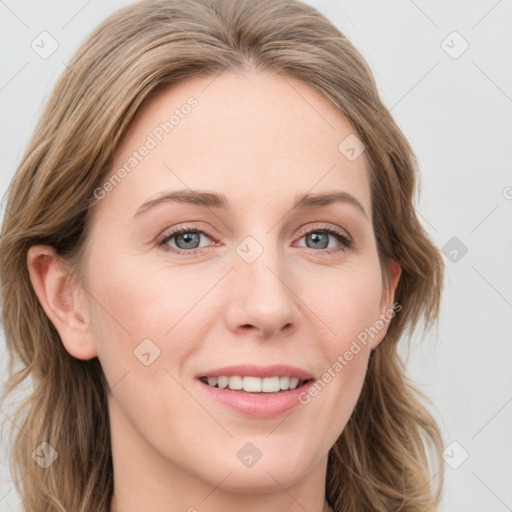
[(189, 238), (317, 237)]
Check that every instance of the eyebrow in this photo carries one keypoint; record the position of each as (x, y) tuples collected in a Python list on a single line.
[(220, 202)]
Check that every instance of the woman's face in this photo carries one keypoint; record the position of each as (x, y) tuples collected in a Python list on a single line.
[(253, 281)]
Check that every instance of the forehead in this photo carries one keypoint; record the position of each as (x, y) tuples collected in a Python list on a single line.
[(254, 136)]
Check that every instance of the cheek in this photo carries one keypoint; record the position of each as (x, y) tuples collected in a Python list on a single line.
[(146, 322), (142, 364), (347, 305), (132, 301), (346, 300), (128, 316)]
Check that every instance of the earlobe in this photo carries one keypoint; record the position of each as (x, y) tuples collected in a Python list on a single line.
[(62, 299)]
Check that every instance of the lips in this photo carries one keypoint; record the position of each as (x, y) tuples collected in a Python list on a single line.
[(250, 370), (265, 404), (255, 405)]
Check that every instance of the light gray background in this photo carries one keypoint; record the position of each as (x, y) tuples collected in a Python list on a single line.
[(457, 114)]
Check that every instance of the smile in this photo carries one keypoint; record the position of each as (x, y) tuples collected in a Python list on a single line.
[(250, 384)]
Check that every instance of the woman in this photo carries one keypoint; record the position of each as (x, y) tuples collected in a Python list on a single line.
[(210, 256)]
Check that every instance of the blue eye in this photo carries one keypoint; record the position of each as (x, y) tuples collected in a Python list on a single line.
[(320, 237), (188, 239)]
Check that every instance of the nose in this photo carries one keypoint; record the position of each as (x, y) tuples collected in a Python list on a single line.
[(262, 296)]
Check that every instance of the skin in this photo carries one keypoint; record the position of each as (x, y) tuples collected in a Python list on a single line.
[(260, 140)]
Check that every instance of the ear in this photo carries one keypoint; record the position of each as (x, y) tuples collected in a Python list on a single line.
[(62, 299), (386, 309)]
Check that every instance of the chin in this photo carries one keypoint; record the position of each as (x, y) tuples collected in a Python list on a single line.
[(258, 481)]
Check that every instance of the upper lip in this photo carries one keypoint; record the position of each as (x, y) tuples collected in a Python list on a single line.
[(274, 370)]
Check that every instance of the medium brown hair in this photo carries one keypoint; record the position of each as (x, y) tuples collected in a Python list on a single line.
[(385, 457)]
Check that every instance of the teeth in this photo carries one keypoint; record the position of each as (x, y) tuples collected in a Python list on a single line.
[(222, 382), (235, 383), (270, 385), (254, 384)]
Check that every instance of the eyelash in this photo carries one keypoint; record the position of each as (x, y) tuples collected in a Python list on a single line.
[(346, 242)]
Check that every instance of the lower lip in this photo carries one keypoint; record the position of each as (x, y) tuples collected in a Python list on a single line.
[(257, 405)]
